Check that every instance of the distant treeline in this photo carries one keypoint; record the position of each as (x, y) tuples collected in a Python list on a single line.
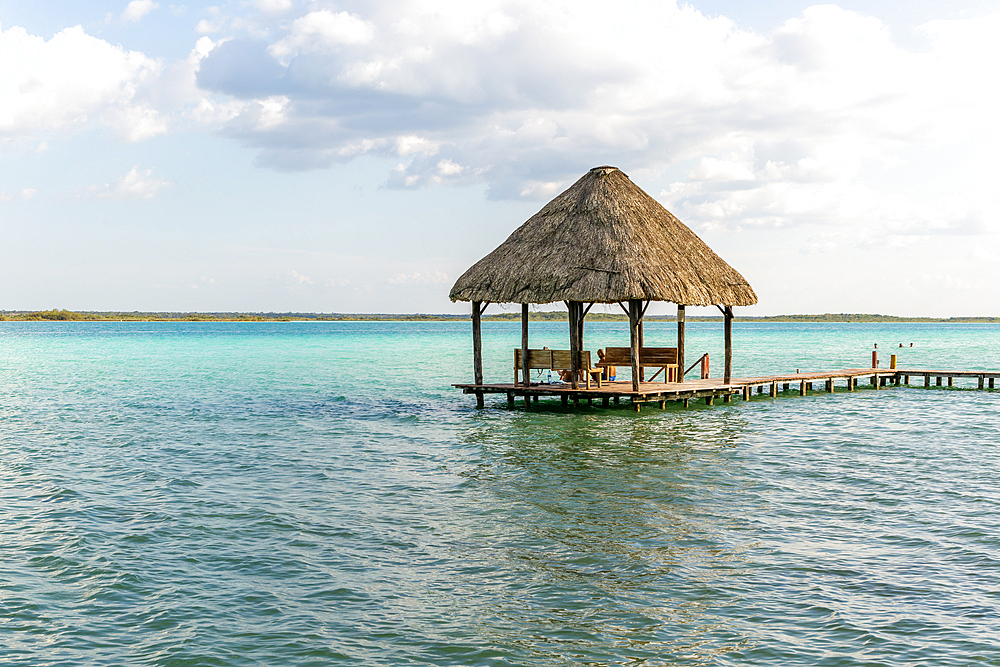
[(539, 316), (141, 316)]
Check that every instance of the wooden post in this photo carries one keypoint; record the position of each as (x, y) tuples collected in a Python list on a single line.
[(642, 343), (850, 384), (938, 380), (991, 383), (927, 381), (774, 389), (951, 381), (477, 349), (704, 367), (729, 345), (874, 358), (892, 362), (525, 370), (574, 342), (687, 402), (728, 398), (981, 378), (634, 308), (802, 388), (829, 385), (784, 386), (680, 343), (906, 379), (709, 400)]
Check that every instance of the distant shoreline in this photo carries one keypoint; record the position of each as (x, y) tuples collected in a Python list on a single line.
[(57, 315)]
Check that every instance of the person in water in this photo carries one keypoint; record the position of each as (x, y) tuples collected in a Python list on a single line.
[(607, 372)]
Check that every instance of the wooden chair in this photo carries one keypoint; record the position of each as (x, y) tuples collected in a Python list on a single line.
[(664, 358), (556, 360), (563, 360), (537, 359)]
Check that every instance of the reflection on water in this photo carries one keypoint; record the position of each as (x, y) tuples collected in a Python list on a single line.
[(625, 539)]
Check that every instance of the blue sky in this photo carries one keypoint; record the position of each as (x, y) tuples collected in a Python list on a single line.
[(282, 155)]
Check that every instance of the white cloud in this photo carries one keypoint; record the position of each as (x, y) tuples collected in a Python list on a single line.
[(322, 31), (136, 184), (299, 279), (420, 278), (273, 6), (209, 26), (137, 9), (72, 81), (26, 193)]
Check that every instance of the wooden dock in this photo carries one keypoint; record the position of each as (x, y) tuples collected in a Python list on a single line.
[(714, 388)]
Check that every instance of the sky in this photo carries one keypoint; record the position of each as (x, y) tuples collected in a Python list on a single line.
[(357, 157)]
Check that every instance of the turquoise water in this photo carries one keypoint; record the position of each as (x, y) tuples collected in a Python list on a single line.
[(317, 494)]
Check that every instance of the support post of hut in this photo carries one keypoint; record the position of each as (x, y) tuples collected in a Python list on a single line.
[(634, 312), (477, 348), (729, 345), (574, 341), (525, 367), (680, 343), (642, 344)]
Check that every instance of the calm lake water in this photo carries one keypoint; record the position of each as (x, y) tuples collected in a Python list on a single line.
[(317, 494)]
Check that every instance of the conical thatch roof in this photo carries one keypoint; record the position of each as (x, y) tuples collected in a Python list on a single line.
[(604, 240)]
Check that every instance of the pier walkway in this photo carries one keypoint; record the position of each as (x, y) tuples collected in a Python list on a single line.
[(714, 388)]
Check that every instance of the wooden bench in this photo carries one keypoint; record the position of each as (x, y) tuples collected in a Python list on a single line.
[(556, 360), (664, 358)]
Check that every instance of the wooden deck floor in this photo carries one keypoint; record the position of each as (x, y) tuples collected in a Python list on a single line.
[(714, 388)]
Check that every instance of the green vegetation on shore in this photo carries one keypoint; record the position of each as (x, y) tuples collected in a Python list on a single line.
[(540, 316)]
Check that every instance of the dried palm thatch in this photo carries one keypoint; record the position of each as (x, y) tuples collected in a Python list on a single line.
[(604, 240)]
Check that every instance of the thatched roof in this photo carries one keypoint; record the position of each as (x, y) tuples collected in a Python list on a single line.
[(604, 240)]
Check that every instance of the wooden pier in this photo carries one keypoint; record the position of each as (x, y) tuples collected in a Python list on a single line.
[(716, 388)]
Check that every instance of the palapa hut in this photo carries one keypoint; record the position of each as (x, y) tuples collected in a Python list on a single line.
[(603, 240)]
